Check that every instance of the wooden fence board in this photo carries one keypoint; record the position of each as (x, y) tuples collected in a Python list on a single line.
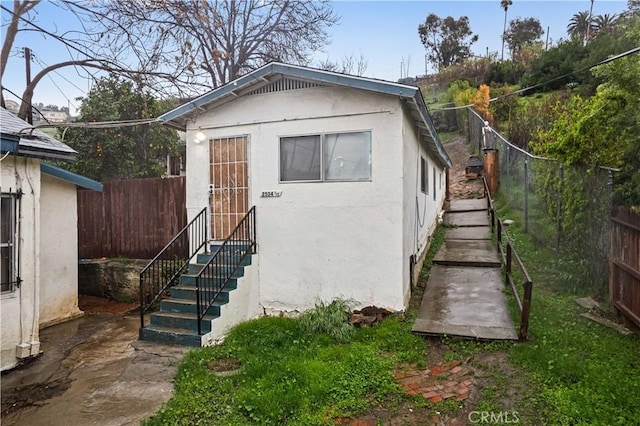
[(131, 218), (624, 282)]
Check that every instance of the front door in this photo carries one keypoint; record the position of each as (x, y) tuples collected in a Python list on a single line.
[(228, 171)]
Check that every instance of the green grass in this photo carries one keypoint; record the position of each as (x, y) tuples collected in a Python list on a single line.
[(292, 375), (586, 374)]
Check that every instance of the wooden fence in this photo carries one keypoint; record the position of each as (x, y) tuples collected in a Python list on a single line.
[(624, 279), (130, 218)]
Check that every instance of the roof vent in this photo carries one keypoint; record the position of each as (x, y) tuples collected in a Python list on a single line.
[(283, 85)]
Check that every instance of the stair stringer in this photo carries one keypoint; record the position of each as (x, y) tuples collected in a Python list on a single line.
[(243, 305)]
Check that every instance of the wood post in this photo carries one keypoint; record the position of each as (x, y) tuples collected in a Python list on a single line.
[(491, 170)]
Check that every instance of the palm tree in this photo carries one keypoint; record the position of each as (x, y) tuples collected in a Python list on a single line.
[(505, 5), (578, 25), (604, 24)]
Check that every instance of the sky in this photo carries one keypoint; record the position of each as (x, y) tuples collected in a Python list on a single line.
[(385, 33)]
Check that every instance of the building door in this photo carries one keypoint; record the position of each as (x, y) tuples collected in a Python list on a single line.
[(228, 177)]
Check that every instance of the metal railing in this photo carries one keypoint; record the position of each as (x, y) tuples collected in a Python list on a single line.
[(508, 254), (164, 270), (212, 279)]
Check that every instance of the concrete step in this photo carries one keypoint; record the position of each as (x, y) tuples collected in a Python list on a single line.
[(468, 205), (195, 268), (477, 253), (188, 292), (190, 306), (181, 320), (168, 335), (203, 258), (190, 281), (229, 246), (473, 218)]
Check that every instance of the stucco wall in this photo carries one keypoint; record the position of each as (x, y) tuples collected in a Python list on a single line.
[(58, 251), (20, 314), (320, 240), (420, 210)]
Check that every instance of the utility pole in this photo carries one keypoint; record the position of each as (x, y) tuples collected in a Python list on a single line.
[(27, 58), (586, 40), (546, 45)]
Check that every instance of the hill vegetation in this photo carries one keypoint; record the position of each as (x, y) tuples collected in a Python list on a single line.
[(570, 102)]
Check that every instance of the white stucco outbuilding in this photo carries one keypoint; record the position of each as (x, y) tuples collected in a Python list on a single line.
[(347, 175), (39, 249)]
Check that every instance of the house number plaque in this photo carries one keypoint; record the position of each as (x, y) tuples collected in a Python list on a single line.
[(271, 194)]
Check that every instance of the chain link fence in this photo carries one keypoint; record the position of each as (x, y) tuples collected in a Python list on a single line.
[(562, 208)]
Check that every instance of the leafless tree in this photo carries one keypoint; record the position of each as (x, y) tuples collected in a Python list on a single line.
[(178, 48), (349, 65), (82, 43), (220, 40)]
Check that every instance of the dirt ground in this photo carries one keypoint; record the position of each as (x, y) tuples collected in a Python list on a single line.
[(459, 186)]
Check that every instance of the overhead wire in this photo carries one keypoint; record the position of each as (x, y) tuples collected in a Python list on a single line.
[(42, 63), (535, 86), (22, 100)]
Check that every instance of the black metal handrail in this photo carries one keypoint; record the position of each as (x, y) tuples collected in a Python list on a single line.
[(508, 253), (219, 270), (164, 270)]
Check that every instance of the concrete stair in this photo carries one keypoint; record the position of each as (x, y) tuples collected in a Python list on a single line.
[(176, 321)]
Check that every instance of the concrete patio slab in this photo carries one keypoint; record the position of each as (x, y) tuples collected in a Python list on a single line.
[(467, 302), (475, 218), (468, 233), (93, 371), (470, 205), (479, 253)]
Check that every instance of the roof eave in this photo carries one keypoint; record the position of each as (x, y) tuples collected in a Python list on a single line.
[(73, 178), (171, 118), (45, 154)]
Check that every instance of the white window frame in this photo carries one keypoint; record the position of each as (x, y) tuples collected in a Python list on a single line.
[(424, 175), (322, 161), (12, 243)]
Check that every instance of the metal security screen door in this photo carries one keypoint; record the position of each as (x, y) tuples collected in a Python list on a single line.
[(228, 171)]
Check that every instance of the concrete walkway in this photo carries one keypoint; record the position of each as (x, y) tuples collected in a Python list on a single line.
[(464, 294), (93, 371)]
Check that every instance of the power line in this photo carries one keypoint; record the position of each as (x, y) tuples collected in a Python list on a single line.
[(97, 124), (42, 63), (516, 92), (33, 107)]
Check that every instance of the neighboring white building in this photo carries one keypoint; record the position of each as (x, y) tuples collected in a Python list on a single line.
[(39, 261), (53, 116), (347, 174)]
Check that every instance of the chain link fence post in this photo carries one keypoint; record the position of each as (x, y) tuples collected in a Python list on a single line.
[(559, 208)]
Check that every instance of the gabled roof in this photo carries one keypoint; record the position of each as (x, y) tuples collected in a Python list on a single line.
[(31, 141), (74, 178), (252, 82)]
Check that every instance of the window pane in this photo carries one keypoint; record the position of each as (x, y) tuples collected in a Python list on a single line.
[(423, 175), (347, 156), (5, 264), (300, 158), (5, 220)]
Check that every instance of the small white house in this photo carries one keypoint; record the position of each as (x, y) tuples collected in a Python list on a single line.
[(39, 249), (347, 175)]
